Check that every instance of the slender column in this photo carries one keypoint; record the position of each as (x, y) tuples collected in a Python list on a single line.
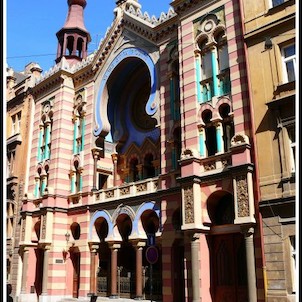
[(24, 269), (215, 70), (250, 262), (36, 193), (140, 171), (75, 135), (200, 97), (202, 144), (43, 184), (219, 139), (139, 270), (47, 140), (195, 267), (172, 96), (96, 153), (45, 271), (114, 159), (64, 45), (174, 160), (93, 258), (72, 182), (74, 49), (82, 133), (95, 157), (80, 180), (40, 143), (114, 250)]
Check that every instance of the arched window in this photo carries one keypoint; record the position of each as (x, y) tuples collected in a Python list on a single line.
[(79, 124), (210, 133), (227, 125), (80, 42), (69, 48), (46, 123), (212, 60)]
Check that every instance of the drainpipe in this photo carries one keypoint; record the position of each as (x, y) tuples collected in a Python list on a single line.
[(254, 156)]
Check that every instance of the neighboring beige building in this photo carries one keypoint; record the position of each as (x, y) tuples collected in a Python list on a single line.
[(19, 104), (270, 39)]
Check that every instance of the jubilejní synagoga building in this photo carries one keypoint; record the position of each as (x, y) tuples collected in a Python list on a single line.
[(140, 177)]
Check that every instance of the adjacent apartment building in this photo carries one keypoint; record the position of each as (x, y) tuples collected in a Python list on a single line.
[(19, 108), (271, 46)]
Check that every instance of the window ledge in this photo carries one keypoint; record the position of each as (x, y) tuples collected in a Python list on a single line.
[(282, 93), (14, 140)]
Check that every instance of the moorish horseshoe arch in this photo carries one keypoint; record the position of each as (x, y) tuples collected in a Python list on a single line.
[(135, 220), (101, 118), (97, 215)]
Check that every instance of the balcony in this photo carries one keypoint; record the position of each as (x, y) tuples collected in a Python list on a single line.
[(216, 163), (133, 189)]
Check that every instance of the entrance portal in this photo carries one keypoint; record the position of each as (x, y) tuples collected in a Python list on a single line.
[(75, 258), (228, 261)]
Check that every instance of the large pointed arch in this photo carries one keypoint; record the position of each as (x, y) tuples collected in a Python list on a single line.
[(101, 117)]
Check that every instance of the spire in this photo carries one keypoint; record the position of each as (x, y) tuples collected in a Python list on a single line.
[(73, 37)]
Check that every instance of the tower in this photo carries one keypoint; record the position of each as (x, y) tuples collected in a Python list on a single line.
[(73, 37)]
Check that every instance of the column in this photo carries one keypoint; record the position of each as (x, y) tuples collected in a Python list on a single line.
[(195, 267), (114, 159), (93, 263), (250, 262), (24, 269), (75, 135), (80, 171), (139, 270), (47, 140), (82, 133), (140, 171), (96, 153), (45, 271), (114, 250), (172, 96), (72, 182), (215, 70), (202, 144), (40, 143), (200, 97), (37, 185), (43, 184), (219, 138)]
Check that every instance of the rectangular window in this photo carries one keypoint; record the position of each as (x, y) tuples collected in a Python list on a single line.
[(289, 63), (223, 58), (16, 123), (206, 66), (277, 2), (10, 163)]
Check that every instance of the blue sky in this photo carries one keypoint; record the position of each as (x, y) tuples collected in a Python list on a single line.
[(31, 27)]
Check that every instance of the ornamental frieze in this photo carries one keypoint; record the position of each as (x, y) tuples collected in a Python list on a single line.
[(189, 204), (242, 196)]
